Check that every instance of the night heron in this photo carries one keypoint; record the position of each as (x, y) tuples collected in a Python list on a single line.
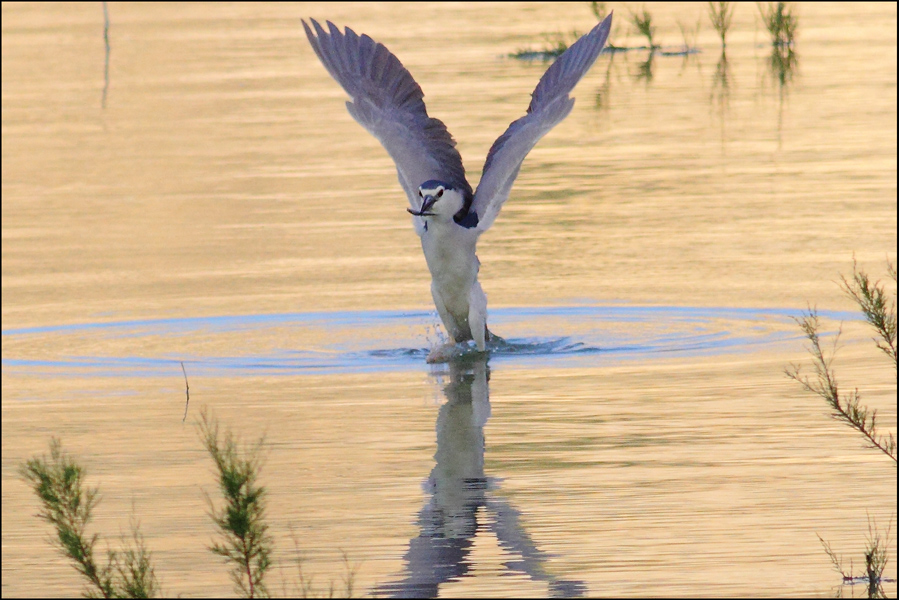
[(447, 215)]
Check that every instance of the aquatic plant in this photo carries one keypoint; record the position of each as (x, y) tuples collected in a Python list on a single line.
[(68, 505), (847, 409), (555, 44), (880, 313), (721, 14), (643, 23), (876, 549), (241, 521), (689, 35), (780, 22)]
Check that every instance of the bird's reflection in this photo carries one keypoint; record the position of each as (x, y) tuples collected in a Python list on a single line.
[(457, 491)]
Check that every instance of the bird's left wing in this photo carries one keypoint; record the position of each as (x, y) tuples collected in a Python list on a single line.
[(550, 104), (388, 102)]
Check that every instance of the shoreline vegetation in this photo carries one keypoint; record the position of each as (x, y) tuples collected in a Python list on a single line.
[(879, 310), (243, 539)]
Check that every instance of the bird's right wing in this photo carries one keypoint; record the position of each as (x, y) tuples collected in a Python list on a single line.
[(388, 102), (550, 104)]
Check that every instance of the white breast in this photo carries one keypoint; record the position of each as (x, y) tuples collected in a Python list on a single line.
[(450, 253)]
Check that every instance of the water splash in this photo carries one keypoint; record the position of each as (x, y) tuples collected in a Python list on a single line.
[(371, 341)]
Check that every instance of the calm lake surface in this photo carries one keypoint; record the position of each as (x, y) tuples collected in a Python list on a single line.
[(207, 198)]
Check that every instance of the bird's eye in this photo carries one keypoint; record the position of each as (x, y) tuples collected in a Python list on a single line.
[(419, 194), (440, 192)]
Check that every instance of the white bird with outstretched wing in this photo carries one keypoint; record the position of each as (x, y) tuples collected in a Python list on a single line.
[(448, 216)]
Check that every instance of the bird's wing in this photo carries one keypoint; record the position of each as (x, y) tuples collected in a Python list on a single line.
[(550, 104), (387, 101)]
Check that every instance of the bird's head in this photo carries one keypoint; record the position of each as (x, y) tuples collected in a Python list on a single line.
[(438, 199)]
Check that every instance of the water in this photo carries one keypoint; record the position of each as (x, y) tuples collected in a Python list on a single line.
[(210, 202), (371, 341)]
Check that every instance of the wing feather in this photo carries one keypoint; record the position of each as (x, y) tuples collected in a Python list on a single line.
[(386, 101), (549, 105)]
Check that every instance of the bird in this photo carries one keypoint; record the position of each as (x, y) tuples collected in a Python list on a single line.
[(447, 214)]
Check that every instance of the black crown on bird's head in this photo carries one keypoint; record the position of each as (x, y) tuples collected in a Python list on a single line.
[(436, 188)]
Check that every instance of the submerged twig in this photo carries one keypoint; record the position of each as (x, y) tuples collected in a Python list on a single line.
[(186, 391)]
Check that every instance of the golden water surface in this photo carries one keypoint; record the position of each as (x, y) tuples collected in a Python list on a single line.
[(206, 168)]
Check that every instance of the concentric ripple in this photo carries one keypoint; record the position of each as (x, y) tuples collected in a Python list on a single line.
[(367, 341)]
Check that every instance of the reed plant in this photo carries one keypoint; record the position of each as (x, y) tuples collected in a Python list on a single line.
[(721, 14), (780, 22), (555, 44), (689, 35), (642, 21)]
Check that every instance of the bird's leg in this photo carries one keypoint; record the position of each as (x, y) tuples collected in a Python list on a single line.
[(477, 316), (445, 316), (443, 352)]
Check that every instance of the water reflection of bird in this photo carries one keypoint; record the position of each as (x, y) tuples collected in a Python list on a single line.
[(448, 216), (458, 491)]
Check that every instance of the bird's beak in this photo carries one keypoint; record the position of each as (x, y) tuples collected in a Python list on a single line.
[(425, 206)]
